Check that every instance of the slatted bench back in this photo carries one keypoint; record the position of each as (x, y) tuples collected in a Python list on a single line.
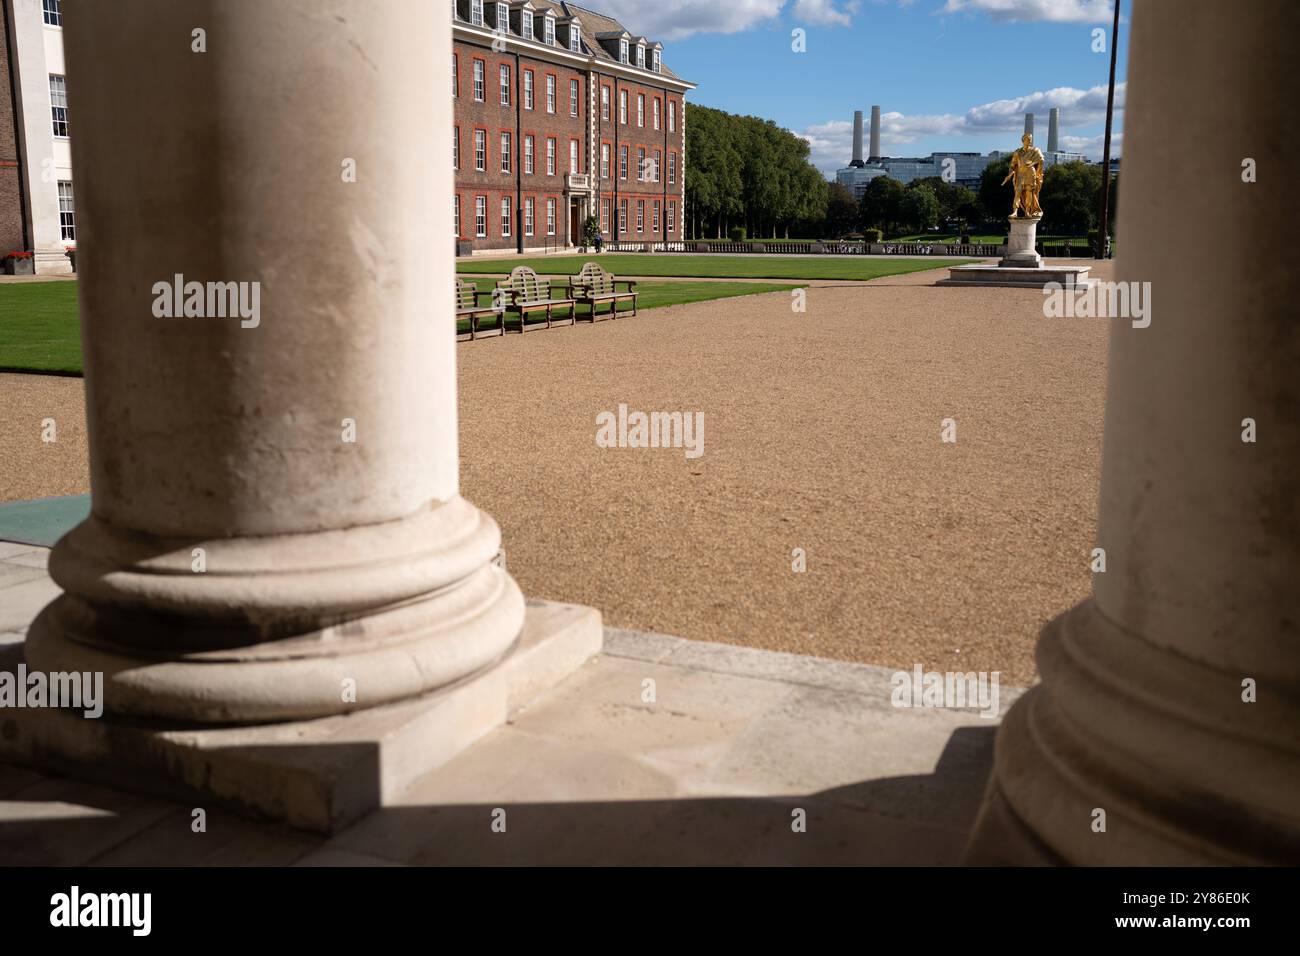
[(466, 295), (595, 279), (528, 284)]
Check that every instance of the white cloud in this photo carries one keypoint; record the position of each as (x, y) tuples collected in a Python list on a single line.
[(1055, 11), (1091, 146), (824, 12), (832, 142), (668, 20)]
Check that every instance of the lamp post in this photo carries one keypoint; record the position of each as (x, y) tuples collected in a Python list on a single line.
[(1103, 229)]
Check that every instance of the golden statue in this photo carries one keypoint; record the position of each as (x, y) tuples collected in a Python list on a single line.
[(1027, 170)]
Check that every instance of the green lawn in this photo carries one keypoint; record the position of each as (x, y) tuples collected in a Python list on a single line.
[(39, 331), (692, 266), (38, 327)]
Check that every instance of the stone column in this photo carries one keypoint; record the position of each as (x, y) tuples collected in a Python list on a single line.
[(275, 493), (1143, 713)]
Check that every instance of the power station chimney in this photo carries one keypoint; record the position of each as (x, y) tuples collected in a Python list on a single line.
[(1053, 129), (857, 139), (874, 155), (1029, 124)]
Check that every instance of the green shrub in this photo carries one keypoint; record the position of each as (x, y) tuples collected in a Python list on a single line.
[(873, 235), (737, 234)]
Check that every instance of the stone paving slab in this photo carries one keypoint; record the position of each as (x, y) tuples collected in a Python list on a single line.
[(42, 521), (659, 750)]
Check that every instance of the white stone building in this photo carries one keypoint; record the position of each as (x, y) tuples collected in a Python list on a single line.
[(35, 32)]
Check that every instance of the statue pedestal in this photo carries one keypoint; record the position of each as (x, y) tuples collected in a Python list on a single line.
[(1021, 253), (1021, 267)]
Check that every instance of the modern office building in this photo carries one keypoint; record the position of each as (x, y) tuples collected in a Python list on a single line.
[(961, 168), (562, 114), (36, 196)]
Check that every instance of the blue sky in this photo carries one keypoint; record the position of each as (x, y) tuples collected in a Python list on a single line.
[(947, 74)]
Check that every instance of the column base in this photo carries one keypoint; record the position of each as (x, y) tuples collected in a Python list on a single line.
[(317, 775), (1131, 755), (52, 263), (278, 627)]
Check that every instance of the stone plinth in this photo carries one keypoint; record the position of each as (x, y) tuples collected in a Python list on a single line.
[(316, 775), (1068, 277), (1021, 252), (1021, 267)]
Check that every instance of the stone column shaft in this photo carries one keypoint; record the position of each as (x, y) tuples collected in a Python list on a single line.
[(275, 492), (1143, 712)]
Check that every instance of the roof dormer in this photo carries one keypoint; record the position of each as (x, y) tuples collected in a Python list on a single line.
[(640, 52), (501, 16), (572, 33), (656, 57), (521, 18), (548, 27)]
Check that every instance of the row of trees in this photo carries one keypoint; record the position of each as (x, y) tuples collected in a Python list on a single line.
[(748, 172), (1070, 198)]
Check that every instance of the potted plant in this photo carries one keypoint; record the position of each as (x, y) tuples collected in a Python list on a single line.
[(590, 232), (18, 263), (71, 253)]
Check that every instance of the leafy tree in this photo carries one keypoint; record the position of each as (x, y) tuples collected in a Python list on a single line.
[(919, 208), (994, 198), (841, 211), (882, 204), (747, 170), (956, 202), (1071, 198)]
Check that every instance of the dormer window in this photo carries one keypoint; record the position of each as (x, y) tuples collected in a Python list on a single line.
[(654, 60), (640, 55), (476, 12), (575, 38), (503, 18), (622, 51), (526, 24), (548, 36)]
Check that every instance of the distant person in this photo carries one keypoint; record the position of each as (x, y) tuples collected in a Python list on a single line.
[(600, 240)]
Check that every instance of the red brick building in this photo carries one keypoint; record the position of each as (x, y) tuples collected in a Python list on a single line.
[(561, 114), (13, 223)]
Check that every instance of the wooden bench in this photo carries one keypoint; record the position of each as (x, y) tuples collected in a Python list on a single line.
[(525, 292), (467, 307), (594, 285)]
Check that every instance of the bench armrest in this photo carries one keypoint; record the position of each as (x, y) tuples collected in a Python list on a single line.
[(627, 282)]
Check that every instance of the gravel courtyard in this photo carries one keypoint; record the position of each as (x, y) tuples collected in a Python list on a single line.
[(822, 432)]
